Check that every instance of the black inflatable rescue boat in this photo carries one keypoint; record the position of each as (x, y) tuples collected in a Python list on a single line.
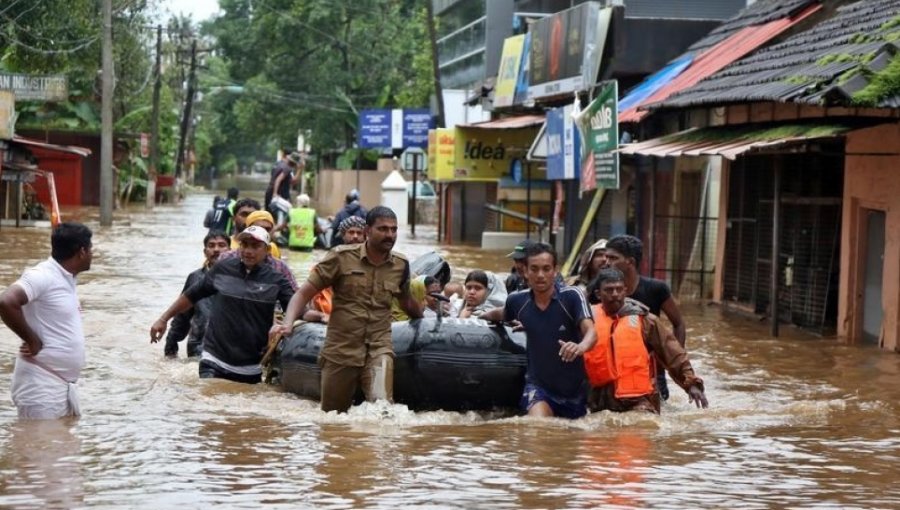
[(449, 364)]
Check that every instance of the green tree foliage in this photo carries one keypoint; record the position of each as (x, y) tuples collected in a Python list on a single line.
[(312, 65), (63, 37)]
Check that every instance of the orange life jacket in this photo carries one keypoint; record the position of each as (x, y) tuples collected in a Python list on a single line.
[(620, 356), (322, 300)]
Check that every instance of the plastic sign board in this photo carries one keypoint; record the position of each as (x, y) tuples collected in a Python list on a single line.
[(600, 124), (444, 154), (34, 87), (563, 145), (413, 158), (375, 129), (508, 75), (7, 115), (384, 128), (521, 94), (416, 123), (487, 154), (566, 50)]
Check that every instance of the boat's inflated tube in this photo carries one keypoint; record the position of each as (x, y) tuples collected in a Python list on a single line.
[(453, 364)]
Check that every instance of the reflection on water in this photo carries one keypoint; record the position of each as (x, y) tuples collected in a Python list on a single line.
[(794, 422), (41, 466)]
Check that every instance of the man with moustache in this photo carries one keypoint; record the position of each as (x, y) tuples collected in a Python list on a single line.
[(42, 309), (631, 343), (192, 323), (624, 252), (244, 292), (358, 351)]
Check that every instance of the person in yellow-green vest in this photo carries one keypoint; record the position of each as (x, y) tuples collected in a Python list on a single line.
[(302, 225)]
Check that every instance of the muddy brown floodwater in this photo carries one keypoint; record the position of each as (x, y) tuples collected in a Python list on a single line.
[(798, 422)]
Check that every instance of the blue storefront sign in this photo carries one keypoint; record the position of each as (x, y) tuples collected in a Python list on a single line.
[(563, 145), (416, 124), (375, 128), (394, 129)]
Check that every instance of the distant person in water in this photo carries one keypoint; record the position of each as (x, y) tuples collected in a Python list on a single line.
[(192, 323), (352, 207)]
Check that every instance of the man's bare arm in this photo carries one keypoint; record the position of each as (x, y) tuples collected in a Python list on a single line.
[(11, 302), (670, 308), (158, 329), (295, 308)]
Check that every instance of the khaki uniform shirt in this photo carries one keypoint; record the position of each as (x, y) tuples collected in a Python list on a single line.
[(360, 322)]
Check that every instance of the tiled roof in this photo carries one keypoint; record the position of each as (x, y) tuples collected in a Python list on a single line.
[(826, 64), (759, 13), (738, 44), (749, 30)]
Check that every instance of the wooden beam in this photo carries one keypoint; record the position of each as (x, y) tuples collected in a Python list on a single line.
[(738, 114), (762, 112), (786, 111)]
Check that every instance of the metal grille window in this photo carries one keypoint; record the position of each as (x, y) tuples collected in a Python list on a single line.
[(809, 241), (686, 238)]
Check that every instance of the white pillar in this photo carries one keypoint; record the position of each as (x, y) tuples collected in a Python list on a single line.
[(393, 195)]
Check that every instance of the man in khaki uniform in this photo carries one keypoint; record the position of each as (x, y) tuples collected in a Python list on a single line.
[(358, 350)]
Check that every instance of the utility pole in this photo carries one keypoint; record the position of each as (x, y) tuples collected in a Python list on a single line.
[(106, 119), (438, 90), (188, 105), (154, 122)]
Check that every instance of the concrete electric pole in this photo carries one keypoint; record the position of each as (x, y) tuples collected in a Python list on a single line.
[(106, 119), (154, 122)]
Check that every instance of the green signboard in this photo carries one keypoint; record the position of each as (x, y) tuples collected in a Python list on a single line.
[(600, 124)]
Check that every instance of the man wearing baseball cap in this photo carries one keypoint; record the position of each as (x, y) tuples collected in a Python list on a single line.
[(516, 280), (244, 290)]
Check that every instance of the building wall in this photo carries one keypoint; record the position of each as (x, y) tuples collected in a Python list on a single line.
[(871, 182), (684, 9), (67, 176), (332, 186)]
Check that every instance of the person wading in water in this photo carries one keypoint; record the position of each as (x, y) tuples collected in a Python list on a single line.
[(366, 277)]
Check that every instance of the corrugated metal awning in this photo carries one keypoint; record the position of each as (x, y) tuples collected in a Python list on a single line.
[(519, 122), (732, 142), (68, 149)]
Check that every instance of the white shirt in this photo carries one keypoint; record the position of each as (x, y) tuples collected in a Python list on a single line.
[(54, 314)]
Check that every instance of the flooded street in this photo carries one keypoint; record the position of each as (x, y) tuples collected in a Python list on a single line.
[(798, 422)]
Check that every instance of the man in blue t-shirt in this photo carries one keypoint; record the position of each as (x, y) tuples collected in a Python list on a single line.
[(559, 328)]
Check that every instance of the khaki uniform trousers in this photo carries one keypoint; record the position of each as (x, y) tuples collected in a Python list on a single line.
[(340, 382)]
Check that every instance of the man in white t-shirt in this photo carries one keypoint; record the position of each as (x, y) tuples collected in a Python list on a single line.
[(42, 309)]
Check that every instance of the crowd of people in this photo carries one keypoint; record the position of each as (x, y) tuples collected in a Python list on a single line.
[(594, 341)]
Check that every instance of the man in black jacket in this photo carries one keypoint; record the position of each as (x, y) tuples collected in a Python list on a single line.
[(244, 291), (192, 323)]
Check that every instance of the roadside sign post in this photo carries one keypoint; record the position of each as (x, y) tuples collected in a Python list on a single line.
[(414, 159)]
